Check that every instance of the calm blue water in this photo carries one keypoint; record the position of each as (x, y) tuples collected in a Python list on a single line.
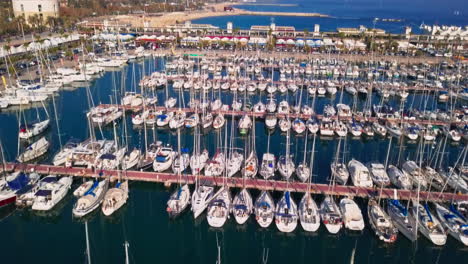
[(352, 13), (59, 238)]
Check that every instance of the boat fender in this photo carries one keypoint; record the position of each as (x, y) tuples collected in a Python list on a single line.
[(381, 237)]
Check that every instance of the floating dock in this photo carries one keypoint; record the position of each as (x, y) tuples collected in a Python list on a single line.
[(236, 182), (261, 115)]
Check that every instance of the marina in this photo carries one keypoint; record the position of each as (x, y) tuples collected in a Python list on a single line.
[(201, 147)]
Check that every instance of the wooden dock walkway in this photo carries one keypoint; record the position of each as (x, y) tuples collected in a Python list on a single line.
[(237, 182), (261, 115)]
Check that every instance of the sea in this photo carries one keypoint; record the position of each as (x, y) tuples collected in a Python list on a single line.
[(58, 237), (352, 13)]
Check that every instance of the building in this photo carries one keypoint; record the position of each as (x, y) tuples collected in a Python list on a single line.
[(44, 8)]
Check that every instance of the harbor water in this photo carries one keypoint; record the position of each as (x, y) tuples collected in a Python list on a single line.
[(57, 237)]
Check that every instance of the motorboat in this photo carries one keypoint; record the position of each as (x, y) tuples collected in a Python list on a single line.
[(50, 192), (378, 174), (91, 199), (164, 158), (352, 215), (359, 173), (14, 185)]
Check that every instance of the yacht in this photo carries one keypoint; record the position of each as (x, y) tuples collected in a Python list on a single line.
[(164, 158), (359, 174), (91, 199), (14, 185), (309, 214), (219, 207), (352, 215), (402, 219), (455, 224), (380, 222), (264, 209), (242, 206), (50, 192), (115, 198), (378, 174), (429, 225), (34, 151), (330, 215), (178, 201), (398, 178), (201, 197), (286, 213)]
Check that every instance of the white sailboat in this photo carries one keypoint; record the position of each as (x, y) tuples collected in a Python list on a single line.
[(331, 215), (264, 209), (242, 206), (115, 198), (219, 208), (91, 199)]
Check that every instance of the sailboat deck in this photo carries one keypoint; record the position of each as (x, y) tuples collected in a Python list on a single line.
[(260, 184)]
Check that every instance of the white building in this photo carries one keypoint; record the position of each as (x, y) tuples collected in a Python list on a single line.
[(44, 8)]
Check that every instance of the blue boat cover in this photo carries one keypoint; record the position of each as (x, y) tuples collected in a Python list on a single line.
[(240, 207), (456, 212), (90, 191), (288, 201), (185, 150), (161, 158), (264, 204), (179, 192), (118, 185), (19, 182), (49, 179), (428, 212), (398, 205), (43, 193), (108, 156)]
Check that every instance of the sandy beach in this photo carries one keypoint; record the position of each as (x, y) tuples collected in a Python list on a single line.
[(214, 10)]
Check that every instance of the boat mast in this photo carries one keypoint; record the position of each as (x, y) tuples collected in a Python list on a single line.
[(88, 252), (127, 259)]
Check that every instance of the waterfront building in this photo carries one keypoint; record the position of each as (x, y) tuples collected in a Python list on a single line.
[(43, 8)]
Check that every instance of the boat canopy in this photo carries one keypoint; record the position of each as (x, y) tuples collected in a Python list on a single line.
[(91, 190), (398, 205), (240, 207), (264, 204), (108, 156), (19, 182), (49, 179), (288, 200), (43, 193)]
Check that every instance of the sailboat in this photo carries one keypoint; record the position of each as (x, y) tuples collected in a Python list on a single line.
[(14, 184), (28, 131), (35, 150), (402, 219), (308, 212), (115, 198), (242, 206), (285, 163), (178, 201), (91, 199), (339, 172), (219, 207), (454, 222), (164, 158), (303, 171), (429, 225), (268, 165), (331, 215), (381, 222), (286, 213), (264, 209)]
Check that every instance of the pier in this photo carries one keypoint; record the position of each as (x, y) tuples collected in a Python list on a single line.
[(236, 182), (262, 115)]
